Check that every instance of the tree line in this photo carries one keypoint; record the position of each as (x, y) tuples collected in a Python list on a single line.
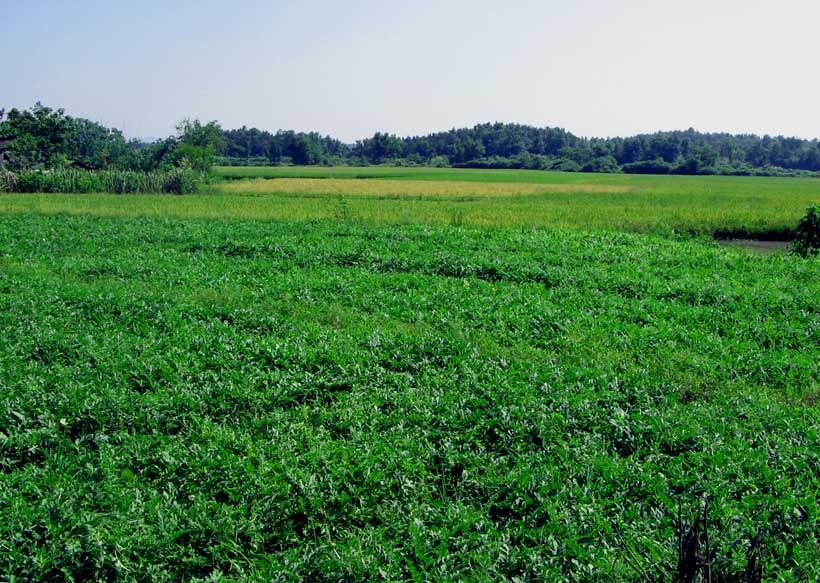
[(45, 138), (42, 138), (501, 145)]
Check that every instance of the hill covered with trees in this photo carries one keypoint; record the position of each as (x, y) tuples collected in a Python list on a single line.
[(45, 138), (501, 145)]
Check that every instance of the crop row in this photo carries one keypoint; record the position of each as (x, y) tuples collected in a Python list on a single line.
[(249, 401)]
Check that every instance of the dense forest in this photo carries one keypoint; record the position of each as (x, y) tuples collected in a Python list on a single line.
[(519, 146), (45, 138)]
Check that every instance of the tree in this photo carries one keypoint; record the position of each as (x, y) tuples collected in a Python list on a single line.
[(96, 147), (197, 143), (40, 137), (305, 152), (379, 148), (194, 133)]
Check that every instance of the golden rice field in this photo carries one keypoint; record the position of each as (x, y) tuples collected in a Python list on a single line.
[(414, 188)]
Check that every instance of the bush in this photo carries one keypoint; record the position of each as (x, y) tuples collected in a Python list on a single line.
[(605, 164), (8, 181), (397, 162), (491, 162), (252, 161), (565, 165), (179, 181), (439, 162), (657, 166), (807, 235)]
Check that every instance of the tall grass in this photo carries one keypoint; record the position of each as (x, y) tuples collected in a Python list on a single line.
[(174, 181), (8, 181)]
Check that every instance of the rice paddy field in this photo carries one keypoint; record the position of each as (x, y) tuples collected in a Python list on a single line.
[(408, 375), (726, 207)]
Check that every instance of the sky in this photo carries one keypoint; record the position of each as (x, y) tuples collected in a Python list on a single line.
[(351, 68)]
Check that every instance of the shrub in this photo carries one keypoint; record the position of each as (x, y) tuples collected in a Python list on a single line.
[(565, 165), (252, 161), (8, 181), (397, 162), (807, 234), (606, 164), (180, 181), (657, 166), (439, 162), (493, 162)]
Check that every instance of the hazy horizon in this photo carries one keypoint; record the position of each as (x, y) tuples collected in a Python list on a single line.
[(595, 68)]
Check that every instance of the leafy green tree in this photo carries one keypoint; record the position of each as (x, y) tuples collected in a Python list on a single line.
[(811, 158), (656, 166), (305, 152), (96, 147), (195, 133), (196, 144), (40, 137), (606, 164), (380, 147), (578, 154)]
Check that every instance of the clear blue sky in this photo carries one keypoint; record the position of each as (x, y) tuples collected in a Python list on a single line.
[(594, 67)]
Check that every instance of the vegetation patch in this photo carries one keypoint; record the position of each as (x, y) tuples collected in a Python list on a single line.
[(713, 206), (324, 400), (172, 180), (807, 234), (404, 188)]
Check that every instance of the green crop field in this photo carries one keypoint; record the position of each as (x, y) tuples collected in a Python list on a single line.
[(744, 207), (406, 378)]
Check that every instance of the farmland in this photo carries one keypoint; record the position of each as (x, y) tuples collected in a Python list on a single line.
[(746, 207), (406, 374)]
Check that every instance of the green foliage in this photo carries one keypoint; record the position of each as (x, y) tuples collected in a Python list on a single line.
[(45, 139), (9, 182), (305, 152), (180, 181), (174, 180), (49, 139), (606, 164), (194, 146), (313, 401), (94, 147), (439, 162), (807, 234), (278, 148), (250, 161), (195, 133), (379, 148), (524, 161), (518, 146), (199, 158), (656, 166), (40, 137)]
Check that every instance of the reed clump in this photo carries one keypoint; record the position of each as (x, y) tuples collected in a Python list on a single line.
[(72, 180)]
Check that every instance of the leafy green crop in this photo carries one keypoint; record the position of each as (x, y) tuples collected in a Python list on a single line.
[(262, 401)]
